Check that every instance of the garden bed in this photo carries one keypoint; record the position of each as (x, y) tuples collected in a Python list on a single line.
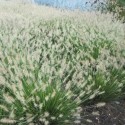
[(52, 66)]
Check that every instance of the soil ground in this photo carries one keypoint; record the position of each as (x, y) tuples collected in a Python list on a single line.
[(113, 113)]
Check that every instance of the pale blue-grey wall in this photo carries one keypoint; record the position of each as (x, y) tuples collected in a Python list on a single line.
[(71, 4)]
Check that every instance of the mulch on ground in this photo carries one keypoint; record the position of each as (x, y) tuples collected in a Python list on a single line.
[(113, 113)]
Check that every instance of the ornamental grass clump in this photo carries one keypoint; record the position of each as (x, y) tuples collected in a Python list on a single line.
[(49, 68), (30, 93), (32, 103)]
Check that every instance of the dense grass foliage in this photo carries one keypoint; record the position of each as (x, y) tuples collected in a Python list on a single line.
[(49, 67)]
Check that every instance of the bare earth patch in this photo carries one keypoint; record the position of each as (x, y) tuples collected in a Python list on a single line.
[(113, 113)]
